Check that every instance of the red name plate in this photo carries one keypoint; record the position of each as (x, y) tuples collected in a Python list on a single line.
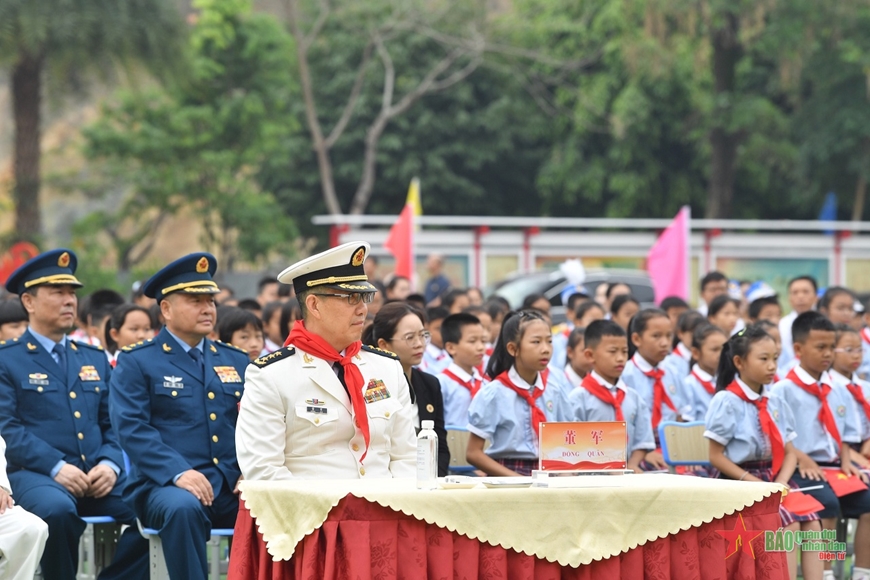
[(593, 445)]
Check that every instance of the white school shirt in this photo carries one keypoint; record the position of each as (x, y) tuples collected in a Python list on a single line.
[(695, 392), (572, 377), (638, 418), (813, 439), (860, 416), (456, 397), (734, 423), (501, 416), (787, 354)]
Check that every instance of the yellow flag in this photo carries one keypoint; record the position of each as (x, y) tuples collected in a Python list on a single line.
[(414, 197)]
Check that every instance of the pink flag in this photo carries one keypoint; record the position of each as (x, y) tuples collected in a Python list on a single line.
[(400, 242), (668, 259)]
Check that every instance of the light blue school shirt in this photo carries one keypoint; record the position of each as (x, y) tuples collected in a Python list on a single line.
[(734, 423), (434, 360), (499, 415), (860, 416), (813, 439), (634, 378), (678, 361), (638, 419), (456, 397), (695, 392)]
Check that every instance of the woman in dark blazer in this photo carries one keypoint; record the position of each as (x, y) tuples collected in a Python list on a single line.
[(399, 327)]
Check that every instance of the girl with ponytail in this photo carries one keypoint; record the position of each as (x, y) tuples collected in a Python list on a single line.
[(750, 431), (522, 394)]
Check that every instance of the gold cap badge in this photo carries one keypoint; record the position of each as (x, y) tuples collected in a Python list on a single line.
[(63, 260), (202, 265), (358, 257)]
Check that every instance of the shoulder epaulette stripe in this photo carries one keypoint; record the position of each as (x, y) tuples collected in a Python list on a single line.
[(279, 354), (380, 351)]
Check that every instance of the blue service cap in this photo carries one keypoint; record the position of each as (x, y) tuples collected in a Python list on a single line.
[(191, 274), (55, 267)]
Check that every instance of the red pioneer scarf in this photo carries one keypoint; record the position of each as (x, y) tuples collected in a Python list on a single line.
[(660, 395), (472, 384), (858, 395), (538, 415), (301, 338), (767, 425), (708, 385), (604, 394), (820, 391)]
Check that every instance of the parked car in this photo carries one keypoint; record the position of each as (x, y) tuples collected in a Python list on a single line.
[(551, 283)]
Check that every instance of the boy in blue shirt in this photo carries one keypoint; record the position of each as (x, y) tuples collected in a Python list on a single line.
[(463, 337)]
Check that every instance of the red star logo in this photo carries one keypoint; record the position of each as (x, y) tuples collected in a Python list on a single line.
[(739, 537)]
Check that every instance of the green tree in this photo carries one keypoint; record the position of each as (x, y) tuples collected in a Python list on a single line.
[(61, 39), (199, 146)]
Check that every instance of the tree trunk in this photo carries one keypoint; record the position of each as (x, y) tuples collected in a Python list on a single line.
[(327, 182), (861, 186), (726, 54), (26, 101)]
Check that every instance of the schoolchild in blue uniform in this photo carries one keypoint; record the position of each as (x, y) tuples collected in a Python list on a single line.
[(571, 298), (679, 361), (844, 374), (602, 396), (826, 425), (522, 394), (751, 432), (700, 385), (578, 366), (64, 461), (463, 337), (174, 404), (649, 343), (435, 358)]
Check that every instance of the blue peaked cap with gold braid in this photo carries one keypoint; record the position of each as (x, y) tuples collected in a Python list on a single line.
[(55, 267), (192, 274)]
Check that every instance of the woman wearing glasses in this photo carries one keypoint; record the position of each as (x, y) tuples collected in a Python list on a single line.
[(398, 327)]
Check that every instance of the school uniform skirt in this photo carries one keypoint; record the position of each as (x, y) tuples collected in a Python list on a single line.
[(521, 466), (763, 470)]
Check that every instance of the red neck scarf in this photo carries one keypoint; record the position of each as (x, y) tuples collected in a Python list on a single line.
[(767, 425), (660, 395), (708, 385), (538, 415), (858, 395), (605, 395), (820, 391), (472, 384), (865, 334), (311, 343)]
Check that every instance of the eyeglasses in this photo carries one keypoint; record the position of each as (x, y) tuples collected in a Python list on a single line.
[(354, 298), (849, 350), (411, 338)]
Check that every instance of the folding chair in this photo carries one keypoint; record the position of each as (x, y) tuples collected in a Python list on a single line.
[(684, 444), (157, 561), (97, 546), (457, 442)]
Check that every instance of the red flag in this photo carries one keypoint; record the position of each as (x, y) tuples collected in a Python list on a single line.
[(801, 504), (843, 484), (400, 242), (668, 259)]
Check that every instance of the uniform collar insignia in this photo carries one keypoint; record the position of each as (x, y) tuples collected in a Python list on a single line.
[(31, 346), (213, 349), (73, 346), (166, 348), (306, 358)]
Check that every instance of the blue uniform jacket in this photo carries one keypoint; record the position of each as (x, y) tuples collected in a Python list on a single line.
[(168, 421), (47, 415)]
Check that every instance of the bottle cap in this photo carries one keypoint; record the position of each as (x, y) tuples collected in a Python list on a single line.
[(427, 424)]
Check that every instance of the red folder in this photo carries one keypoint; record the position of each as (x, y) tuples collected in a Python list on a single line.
[(843, 484), (801, 504)]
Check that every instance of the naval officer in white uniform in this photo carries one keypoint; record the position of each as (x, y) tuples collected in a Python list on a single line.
[(325, 406)]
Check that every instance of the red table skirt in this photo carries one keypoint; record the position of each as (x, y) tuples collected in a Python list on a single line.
[(362, 540)]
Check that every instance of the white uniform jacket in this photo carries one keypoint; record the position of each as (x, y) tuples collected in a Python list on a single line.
[(296, 419)]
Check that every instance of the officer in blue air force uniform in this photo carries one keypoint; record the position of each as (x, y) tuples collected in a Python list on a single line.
[(174, 403), (64, 460)]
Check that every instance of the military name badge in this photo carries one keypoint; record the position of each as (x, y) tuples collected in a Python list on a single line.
[(172, 383), (38, 378), (228, 374), (89, 373), (376, 390), (316, 406)]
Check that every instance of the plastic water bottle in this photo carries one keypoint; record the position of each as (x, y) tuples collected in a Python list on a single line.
[(427, 456)]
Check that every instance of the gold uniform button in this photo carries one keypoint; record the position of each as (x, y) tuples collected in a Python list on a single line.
[(362, 470), (387, 414), (317, 420), (174, 393), (238, 394), (39, 389), (97, 389), (355, 447), (81, 435), (213, 417), (72, 395), (84, 458), (77, 415), (214, 438), (211, 395), (215, 460)]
